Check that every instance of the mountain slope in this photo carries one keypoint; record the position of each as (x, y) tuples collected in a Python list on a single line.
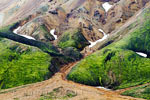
[(118, 65), (42, 38)]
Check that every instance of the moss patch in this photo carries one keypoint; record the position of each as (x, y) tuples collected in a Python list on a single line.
[(21, 64), (59, 94), (139, 92), (117, 65), (73, 38)]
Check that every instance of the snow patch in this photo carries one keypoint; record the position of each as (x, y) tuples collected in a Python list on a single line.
[(106, 6), (16, 30), (52, 32), (26, 36), (102, 88), (142, 54), (104, 37)]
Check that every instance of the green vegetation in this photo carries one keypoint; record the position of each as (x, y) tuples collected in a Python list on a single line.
[(8, 29), (139, 92), (16, 99), (117, 65), (73, 53), (59, 94), (47, 34), (21, 64), (73, 38), (6, 32)]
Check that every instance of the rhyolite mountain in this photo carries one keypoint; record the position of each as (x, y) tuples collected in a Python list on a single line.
[(38, 37)]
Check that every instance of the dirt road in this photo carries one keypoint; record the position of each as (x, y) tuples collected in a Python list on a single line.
[(34, 91)]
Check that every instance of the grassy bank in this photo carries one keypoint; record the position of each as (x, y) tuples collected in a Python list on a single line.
[(118, 65), (139, 92), (21, 64)]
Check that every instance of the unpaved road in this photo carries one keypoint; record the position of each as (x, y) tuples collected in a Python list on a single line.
[(33, 91)]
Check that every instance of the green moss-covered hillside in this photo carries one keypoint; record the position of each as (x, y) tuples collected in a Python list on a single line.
[(118, 65), (73, 38), (139, 92), (21, 64)]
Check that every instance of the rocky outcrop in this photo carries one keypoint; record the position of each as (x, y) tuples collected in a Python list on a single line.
[(121, 12), (37, 30), (89, 15), (15, 10)]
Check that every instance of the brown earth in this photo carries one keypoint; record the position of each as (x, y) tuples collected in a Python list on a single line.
[(34, 91), (88, 14)]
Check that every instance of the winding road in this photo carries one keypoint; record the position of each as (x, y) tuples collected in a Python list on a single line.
[(35, 90), (84, 92)]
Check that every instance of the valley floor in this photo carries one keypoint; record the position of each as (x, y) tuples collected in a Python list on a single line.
[(83, 92)]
